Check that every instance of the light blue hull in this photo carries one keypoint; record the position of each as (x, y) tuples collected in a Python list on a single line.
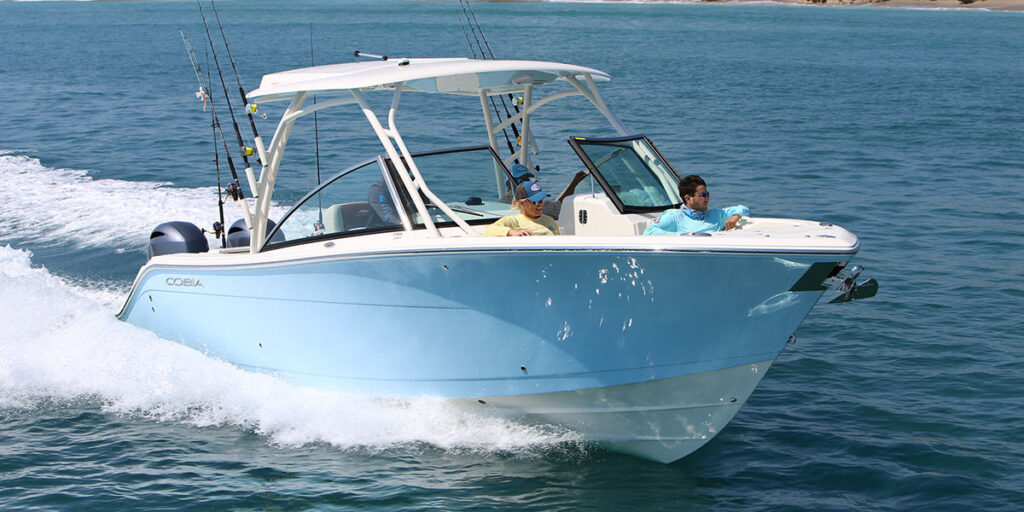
[(484, 323)]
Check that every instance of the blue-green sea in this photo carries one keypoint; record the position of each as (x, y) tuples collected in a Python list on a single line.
[(904, 126)]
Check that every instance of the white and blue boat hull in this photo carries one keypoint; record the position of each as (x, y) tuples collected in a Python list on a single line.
[(630, 347)]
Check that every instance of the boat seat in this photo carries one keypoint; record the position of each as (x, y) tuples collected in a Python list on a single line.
[(342, 217)]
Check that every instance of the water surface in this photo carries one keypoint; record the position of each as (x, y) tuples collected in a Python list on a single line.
[(905, 127)]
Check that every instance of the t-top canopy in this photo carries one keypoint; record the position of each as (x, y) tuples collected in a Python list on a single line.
[(445, 76)]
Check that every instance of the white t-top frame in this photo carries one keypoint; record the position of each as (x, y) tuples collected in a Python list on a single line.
[(345, 84)]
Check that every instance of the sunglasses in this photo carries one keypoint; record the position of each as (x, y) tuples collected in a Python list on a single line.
[(703, 195)]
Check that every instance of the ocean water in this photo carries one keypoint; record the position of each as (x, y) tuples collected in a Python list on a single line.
[(904, 126)]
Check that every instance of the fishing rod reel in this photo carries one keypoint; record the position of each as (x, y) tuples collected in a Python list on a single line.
[(253, 109), (234, 191), (248, 151), (217, 230)]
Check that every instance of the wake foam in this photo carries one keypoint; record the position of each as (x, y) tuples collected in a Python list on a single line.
[(45, 206), (61, 343)]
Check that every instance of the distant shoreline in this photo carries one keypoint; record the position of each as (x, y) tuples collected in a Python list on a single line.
[(990, 5)]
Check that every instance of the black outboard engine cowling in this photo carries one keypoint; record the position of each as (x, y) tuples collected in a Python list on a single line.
[(239, 234), (175, 237)]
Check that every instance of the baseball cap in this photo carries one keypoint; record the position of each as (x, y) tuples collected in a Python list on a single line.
[(531, 190), (520, 172)]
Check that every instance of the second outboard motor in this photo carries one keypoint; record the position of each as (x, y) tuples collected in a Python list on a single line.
[(175, 237), (239, 234)]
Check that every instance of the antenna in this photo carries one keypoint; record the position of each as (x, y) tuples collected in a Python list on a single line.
[(316, 137)]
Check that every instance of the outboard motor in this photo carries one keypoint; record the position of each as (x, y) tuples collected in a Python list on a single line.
[(175, 237), (239, 234)]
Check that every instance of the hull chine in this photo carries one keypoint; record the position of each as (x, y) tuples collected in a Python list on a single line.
[(661, 420)]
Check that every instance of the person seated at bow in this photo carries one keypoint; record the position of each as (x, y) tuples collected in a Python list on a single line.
[(693, 215), (529, 198)]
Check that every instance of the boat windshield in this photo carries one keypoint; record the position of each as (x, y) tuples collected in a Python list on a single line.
[(471, 181), (355, 201), (632, 171), (363, 199)]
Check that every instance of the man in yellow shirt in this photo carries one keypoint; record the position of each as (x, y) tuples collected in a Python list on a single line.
[(530, 220)]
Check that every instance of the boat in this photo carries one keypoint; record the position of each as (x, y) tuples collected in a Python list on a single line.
[(645, 345)]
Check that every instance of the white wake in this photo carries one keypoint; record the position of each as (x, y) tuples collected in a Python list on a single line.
[(42, 205), (60, 341)]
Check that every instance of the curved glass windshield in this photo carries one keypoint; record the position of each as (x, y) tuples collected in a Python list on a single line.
[(358, 201), (631, 171), (472, 182)]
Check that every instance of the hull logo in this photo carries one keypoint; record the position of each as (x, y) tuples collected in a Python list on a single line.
[(184, 281)]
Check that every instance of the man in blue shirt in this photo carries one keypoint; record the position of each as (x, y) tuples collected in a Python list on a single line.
[(694, 216)]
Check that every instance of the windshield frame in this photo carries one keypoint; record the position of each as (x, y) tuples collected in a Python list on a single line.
[(577, 144), (406, 200), (264, 246)]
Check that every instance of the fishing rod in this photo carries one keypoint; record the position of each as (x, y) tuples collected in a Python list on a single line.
[(475, 27), (472, 51), (238, 133), (204, 93), (480, 29), (234, 189), (512, 100), (250, 109), (494, 106), (218, 228), (477, 23), (192, 59)]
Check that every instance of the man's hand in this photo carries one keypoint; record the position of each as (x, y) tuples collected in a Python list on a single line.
[(731, 223), (571, 188), (520, 232)]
